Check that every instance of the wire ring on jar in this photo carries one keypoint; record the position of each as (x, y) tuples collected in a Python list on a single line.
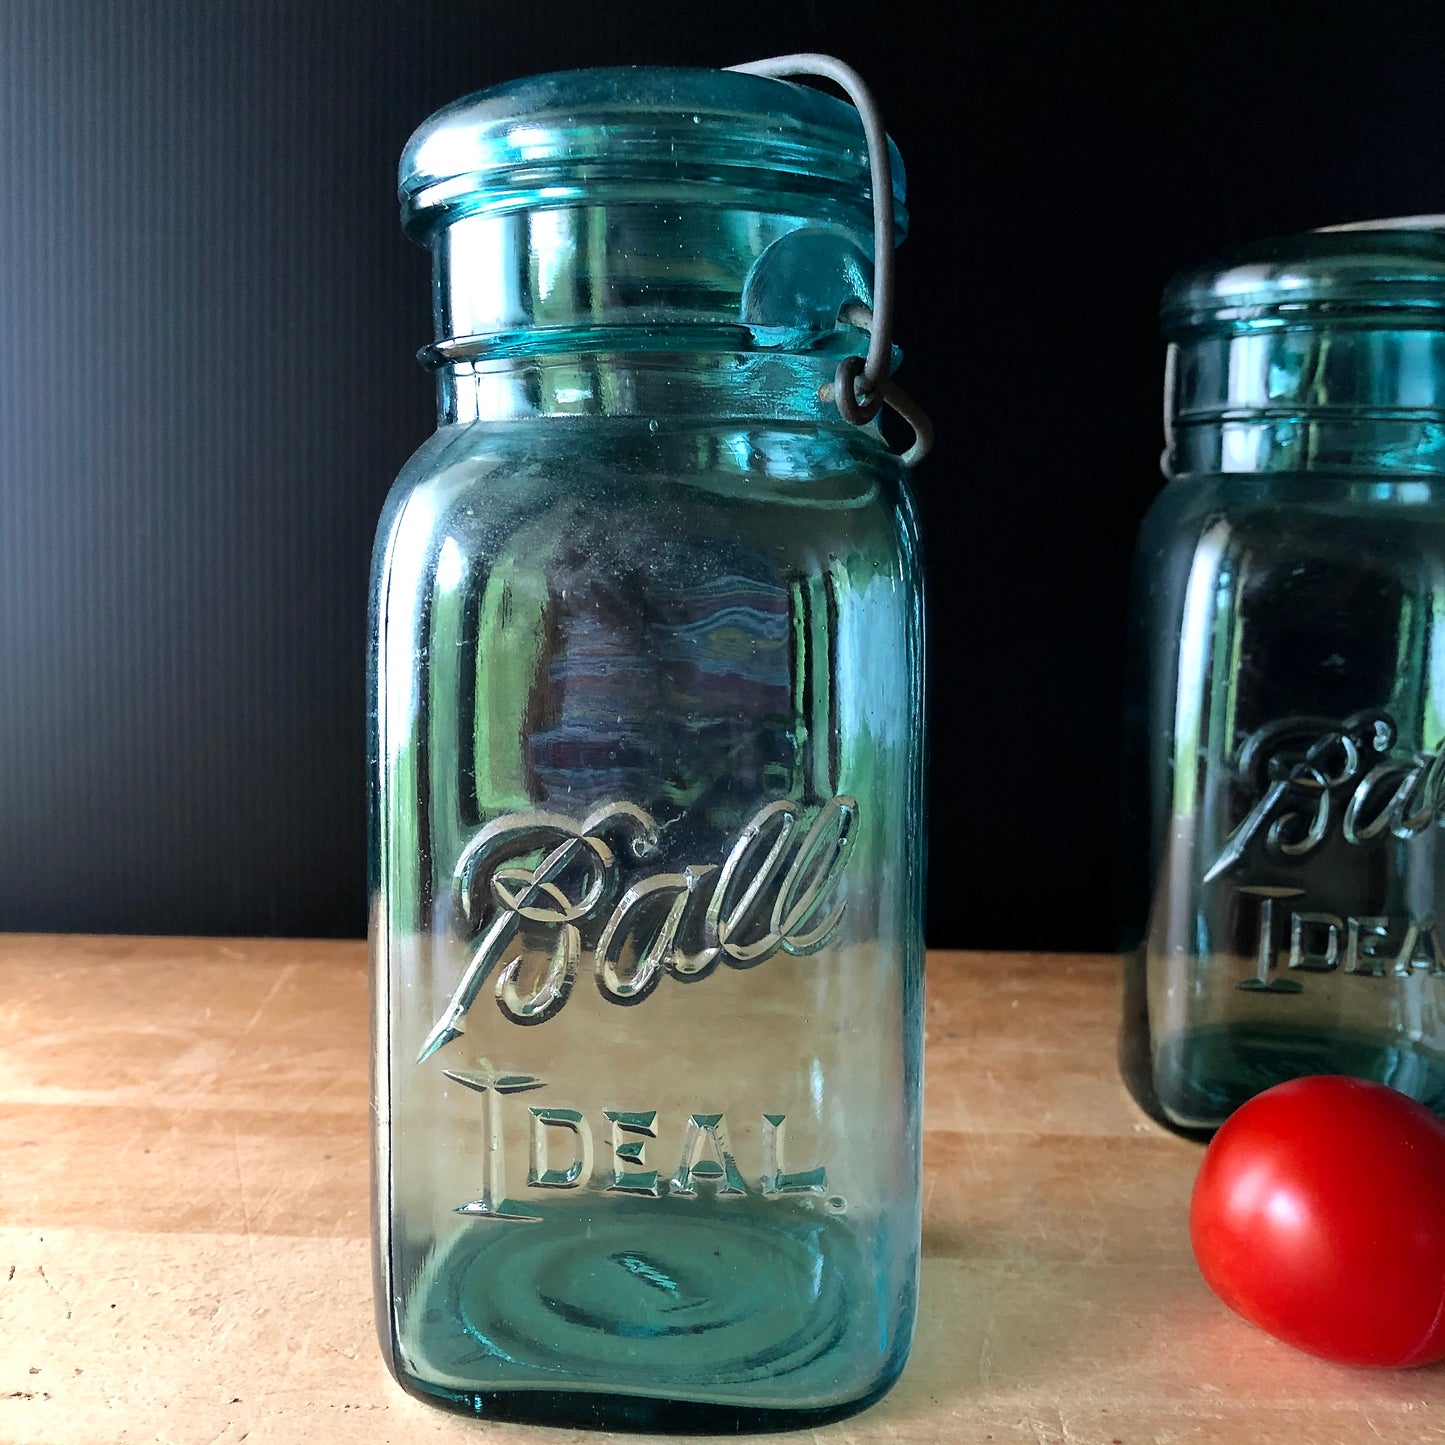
[(860, 387), (858, 411)]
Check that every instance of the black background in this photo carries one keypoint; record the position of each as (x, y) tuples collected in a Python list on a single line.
[(207, 322)]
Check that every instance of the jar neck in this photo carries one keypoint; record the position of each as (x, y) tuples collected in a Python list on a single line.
[(646, 276), (653, 385), (1344, 399)]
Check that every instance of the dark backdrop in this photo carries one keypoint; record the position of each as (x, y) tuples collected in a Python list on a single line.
[(207, 321)]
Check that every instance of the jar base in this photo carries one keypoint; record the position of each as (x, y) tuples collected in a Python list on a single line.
[(660, 1314), (1200, 1077), (584, 1410)]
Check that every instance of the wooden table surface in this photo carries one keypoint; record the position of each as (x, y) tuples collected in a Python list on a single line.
[(183, 1222)]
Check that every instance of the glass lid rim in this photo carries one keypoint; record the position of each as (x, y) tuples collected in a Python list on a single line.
[(659, 119), (1356, 274)]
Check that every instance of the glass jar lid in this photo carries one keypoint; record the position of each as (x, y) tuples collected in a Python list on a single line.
[(1379, 273), (638, 134)]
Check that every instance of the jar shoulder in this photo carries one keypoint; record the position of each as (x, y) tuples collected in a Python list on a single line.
[(1255, 500), (625, 494), (1260, 522)]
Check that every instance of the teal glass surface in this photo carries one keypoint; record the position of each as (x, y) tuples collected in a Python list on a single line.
[(1287, 715), (646, 767)]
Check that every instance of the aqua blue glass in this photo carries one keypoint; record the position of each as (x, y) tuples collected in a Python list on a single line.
[(1287, 716), (646, 764)]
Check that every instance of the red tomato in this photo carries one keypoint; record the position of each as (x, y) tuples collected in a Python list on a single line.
[(1319, 1214)]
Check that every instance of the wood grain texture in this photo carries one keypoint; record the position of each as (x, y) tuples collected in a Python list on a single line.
[(183, 1216)]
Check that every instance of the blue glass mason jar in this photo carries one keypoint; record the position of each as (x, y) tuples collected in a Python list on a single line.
[(646, 754), (1288, 705)]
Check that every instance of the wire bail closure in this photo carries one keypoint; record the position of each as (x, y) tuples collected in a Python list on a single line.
[(862, 385)]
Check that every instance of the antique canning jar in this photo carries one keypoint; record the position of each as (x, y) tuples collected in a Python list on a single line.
[(646, 773), (1289, 707)]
